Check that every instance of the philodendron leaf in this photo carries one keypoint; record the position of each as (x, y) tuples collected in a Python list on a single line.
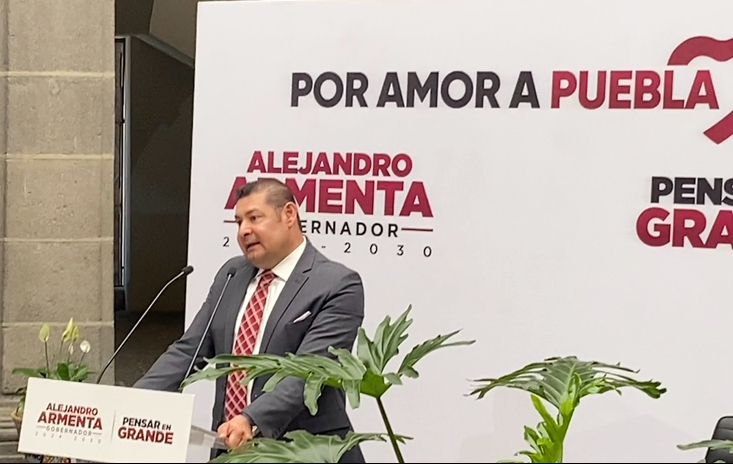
[(562, 382), (553, 429), (299, 447), (375, 355), (356, 375), (711, 444), (531, 437), (373, 385), (272, 382), (392, 378), (301, 366), (345, 372), (407, 368), (553, 378), (313, 389)]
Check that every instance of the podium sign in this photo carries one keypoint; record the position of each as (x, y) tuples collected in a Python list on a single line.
[(104, 423)]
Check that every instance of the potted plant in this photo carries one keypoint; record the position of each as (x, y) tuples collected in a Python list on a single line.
[(365, 373), (66, 363), (562, 382)]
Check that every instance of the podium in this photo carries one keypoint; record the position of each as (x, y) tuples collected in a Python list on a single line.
[(102, 423)]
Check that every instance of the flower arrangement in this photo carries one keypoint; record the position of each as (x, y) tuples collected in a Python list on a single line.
[(61, 366)]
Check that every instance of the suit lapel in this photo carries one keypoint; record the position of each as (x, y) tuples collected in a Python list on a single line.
[(232, 302), (289, 291)]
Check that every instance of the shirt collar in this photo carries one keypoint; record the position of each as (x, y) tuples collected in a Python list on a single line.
[(286, 267)]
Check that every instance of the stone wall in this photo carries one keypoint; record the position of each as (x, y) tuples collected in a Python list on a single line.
[(56, 176)]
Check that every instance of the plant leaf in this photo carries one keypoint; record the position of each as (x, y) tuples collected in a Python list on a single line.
[(272, 382), (348, 361), (299, 447), (711, 444), (317, 371), (392, 378), (29, 372), (207, 374), (373, 385), (313, 385), (531, 437), (549, 422), (375, 355), (365, 352), (353, 388), (407, 368), (362, 374), (551, 435), (63, 371), (387, 341), (81, 374), (553, 378), (562, 382)]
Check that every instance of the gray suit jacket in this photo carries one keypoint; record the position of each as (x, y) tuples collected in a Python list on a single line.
[(332, 293)]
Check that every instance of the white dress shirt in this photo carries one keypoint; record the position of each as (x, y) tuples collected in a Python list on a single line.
[(282, 273)]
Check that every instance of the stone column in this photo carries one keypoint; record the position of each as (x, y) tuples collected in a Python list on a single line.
[(56, 177)]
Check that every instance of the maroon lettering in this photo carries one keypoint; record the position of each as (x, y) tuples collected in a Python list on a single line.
[(627, 89)]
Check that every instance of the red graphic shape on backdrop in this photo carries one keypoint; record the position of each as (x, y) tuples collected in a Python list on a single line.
[(719, 50)]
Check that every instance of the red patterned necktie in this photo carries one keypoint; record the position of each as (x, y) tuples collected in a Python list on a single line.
[(236, 393)]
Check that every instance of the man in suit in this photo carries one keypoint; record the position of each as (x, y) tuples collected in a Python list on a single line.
[(285, 297)]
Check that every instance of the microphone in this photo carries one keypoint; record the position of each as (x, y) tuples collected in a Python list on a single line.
[(230, 274), (184, 272)]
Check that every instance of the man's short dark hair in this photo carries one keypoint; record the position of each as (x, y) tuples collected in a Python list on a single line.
[(278, 194)]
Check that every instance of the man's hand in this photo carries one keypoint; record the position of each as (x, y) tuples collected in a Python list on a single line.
[(235, 432)]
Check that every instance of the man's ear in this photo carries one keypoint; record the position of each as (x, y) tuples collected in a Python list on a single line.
[(291, 213)]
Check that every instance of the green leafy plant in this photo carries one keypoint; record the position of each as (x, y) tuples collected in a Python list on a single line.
[(299, 446), (709, 444), (562, 382), (366, 373), (64, 365)]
